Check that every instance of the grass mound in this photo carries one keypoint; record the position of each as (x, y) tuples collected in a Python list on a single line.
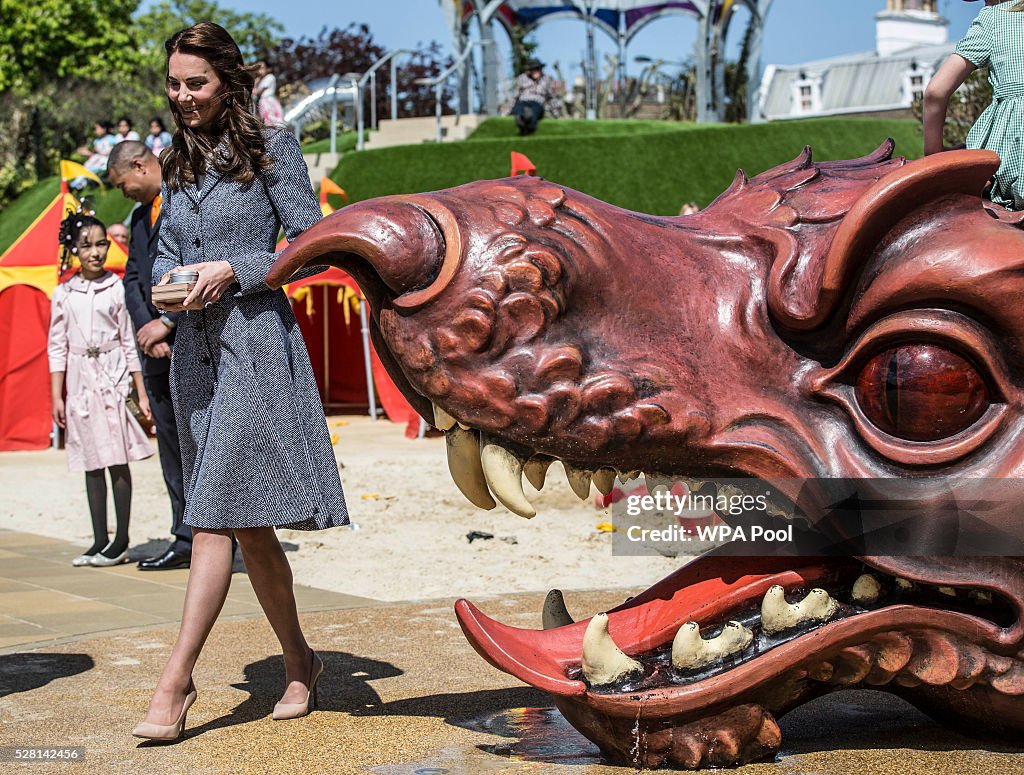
[(648, 166), (110, 206)]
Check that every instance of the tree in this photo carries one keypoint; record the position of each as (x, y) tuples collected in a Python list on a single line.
[(523, 47), (46, 40), (736, 85), (254, 33), (60, 61), (353, 50), (965, 106)]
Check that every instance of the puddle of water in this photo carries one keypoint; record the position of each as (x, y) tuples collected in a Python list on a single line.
[(448, 761), (538, 735)]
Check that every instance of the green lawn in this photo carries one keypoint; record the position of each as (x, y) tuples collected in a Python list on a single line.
[(504, 127), (648, 166), (110, 206), (622, 162)]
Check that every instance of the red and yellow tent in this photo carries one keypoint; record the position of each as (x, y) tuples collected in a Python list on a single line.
[(29, 272), (328, 307)]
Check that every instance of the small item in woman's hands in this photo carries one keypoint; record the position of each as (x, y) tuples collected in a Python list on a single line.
[(184, 276), (172, 293)]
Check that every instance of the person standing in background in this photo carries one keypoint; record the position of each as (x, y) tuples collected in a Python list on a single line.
[(265, 93), (136, 172), (119, 232), (995, 40)]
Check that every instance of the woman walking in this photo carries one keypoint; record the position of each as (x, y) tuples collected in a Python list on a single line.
[(256, 453)]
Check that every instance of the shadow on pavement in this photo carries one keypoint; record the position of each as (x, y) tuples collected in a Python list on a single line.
[(25, 672), (344, 686)]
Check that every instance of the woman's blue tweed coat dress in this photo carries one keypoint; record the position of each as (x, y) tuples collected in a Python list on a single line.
[(254, 443)]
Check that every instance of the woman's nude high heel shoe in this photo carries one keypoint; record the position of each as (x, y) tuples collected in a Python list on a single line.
[(289, 710), (173, 731)]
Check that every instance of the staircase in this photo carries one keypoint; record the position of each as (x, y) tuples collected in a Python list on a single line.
[(321, 165), (413, 131)]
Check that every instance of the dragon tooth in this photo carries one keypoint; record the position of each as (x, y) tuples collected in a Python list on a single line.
[(463, 448), (866, 589), (603, 661), (628, 476), (773, 509), (604, 480), (982, 596), (691, 484), (555, 614), (690, 651), (778, 615), (463, 425), (655, 482), (536, 470), (579, 480), (904, 585), (503, 471), (947, 591), (442, 420)]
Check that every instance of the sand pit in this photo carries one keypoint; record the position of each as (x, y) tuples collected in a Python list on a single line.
[(412, 522)]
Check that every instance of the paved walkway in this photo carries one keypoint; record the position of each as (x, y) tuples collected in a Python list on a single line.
[(403, 692), (44, 600)]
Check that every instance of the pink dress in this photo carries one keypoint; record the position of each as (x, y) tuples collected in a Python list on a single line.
[(91, 340)]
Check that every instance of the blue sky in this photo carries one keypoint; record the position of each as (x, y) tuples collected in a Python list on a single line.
[(797, 30)]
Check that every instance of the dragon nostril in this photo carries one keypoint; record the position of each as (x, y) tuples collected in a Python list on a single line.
[(391, 242)]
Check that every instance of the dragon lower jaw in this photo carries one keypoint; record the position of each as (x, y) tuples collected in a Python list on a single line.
[(909, 637)]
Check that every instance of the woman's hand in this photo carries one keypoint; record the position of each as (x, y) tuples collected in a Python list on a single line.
[(215, 277), (58, 412)]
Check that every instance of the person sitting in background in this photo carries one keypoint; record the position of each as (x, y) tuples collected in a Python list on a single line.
[(125, 131), (96, 156), (534, 95), (158, 137)]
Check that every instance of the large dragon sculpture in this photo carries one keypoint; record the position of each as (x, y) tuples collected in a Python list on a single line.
[(857, 319)]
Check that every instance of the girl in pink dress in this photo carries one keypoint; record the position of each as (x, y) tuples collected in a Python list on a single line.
[(92, 347)]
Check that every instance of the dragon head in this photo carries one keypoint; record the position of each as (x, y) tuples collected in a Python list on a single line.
[(854, 320)]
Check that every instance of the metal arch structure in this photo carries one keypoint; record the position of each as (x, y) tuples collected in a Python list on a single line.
[(621, 20)]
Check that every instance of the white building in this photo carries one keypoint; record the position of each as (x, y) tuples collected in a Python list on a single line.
[(911, 41)]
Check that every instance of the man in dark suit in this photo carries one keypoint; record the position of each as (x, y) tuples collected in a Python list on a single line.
[(136, 172)]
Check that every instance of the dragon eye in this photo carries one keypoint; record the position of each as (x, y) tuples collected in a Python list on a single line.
[(921, 392)]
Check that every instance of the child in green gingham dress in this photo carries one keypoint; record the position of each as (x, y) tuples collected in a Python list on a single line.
[(995, 39)]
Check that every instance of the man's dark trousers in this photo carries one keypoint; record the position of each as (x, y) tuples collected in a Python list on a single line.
[(138, 287)]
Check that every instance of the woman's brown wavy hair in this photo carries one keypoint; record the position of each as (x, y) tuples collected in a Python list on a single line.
[(238, 125)]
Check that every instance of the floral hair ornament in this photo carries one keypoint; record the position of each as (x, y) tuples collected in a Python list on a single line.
[(68, 234)]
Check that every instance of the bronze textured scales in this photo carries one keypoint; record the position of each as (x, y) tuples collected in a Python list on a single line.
[(849, 319)]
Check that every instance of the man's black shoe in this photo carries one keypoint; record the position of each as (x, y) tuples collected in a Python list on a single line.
[(166, 561)]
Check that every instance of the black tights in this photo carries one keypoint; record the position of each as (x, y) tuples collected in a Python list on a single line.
[(96, 492)]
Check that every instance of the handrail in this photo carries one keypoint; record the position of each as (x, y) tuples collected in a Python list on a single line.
[(438, 83), (371, 74), (308, 102)]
